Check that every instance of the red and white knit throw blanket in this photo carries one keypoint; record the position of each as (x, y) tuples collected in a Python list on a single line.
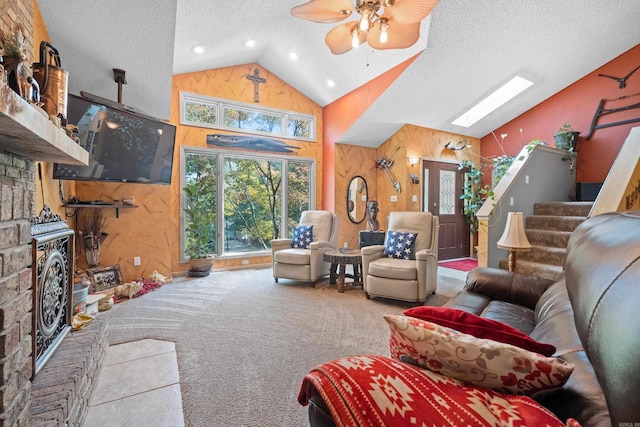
[(380, 391)]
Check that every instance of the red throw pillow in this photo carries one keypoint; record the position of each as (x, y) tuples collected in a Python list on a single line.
[(479, 327)]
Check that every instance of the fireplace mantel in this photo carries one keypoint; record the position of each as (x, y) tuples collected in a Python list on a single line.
[(27, 133)]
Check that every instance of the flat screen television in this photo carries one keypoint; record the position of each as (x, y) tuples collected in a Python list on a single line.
[(124, 145)]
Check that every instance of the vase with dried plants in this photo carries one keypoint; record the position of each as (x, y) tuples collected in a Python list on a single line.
[(91, 230), (14, 50)]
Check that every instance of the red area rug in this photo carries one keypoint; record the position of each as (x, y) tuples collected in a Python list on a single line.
[(465, 264)]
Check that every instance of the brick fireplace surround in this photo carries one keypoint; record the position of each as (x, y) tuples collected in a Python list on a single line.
[(60, 393)]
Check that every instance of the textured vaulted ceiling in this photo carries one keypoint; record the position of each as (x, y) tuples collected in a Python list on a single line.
[(467, 49)]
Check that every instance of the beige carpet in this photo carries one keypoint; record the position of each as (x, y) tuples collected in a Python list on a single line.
[(244, 342)]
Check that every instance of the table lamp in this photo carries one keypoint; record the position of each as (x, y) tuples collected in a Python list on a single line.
[(514, 238)]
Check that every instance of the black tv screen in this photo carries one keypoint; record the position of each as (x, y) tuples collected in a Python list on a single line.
[(123, 146)]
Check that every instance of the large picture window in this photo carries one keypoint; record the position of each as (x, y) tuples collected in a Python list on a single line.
[(254, 198), (217, 113)]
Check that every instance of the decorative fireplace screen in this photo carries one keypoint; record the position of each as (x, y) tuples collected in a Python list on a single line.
[(52, 250)]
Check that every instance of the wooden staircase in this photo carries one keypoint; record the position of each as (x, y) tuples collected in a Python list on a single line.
[(548, 231)]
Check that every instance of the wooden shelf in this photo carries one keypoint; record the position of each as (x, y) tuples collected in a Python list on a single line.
[(26, 132), (117, 207)]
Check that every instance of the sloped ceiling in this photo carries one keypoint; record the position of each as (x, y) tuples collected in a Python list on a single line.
[(467, 49)]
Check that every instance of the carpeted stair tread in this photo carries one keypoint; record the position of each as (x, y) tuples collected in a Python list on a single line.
[(544, 255), (550, 238), (552, 272), (563, 208), (553, 222)]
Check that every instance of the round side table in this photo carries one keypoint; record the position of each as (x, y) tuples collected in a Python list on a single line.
[(339, 258)]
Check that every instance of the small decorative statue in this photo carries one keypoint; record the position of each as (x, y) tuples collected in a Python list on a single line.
[(372, 209)]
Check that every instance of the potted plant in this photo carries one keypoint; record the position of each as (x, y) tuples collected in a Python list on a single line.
[(200, 228), (566, 138)]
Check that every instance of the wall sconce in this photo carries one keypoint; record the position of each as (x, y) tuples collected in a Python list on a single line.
[(413, 160), (514, 238)]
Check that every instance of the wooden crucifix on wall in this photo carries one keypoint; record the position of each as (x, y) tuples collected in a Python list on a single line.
[(256, 79)]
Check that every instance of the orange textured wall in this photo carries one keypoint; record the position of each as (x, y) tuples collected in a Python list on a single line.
[(341, 114), (577, 104), (231, 83), (425, 143), (410, 140), (47, 190), (352, 160), (152, 231)]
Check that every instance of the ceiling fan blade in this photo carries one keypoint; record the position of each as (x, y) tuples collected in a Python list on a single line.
[(340, 38), (399, 36), (410, 11), (323, 11)]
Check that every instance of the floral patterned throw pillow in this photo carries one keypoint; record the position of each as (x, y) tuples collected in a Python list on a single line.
[(302, 236), (477, 361), (399, 245), (479, 327)]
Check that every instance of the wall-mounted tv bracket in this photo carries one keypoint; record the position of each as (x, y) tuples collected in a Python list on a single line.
[(601, 111), (118, 76)]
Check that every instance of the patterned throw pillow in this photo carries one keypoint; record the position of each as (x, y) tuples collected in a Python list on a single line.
[(302, 236), (476, 361), (399, 245), (479, 327)]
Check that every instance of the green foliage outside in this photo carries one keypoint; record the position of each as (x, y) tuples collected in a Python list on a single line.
[(252, 201), (200, 206)]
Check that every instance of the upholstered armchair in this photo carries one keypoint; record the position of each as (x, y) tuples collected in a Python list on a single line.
[(387, 274), (306, 264)]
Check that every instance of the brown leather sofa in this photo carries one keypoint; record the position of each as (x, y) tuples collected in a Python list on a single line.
[(592, 317)]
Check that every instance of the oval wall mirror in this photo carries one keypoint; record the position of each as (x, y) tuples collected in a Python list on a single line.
[(357, 196)]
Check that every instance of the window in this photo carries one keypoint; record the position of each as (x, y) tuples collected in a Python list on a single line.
[(252, 200), (217, 113)]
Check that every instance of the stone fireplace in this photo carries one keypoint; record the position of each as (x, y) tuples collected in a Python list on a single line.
[(17, 189), (60, 393)]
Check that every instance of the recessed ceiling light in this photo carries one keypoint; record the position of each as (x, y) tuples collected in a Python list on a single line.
[(509, 90), (199, 49), (250, 43), (330, 83), (293, 56)]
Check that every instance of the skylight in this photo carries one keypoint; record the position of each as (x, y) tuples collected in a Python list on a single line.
[(509, 90)]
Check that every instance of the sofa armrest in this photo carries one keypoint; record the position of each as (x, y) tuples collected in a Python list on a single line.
[(425, 254), (371, 250), (321, 245), (507, 286), (279, 244)]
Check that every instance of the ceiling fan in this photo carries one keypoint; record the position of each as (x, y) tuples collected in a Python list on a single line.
[(384, 24)]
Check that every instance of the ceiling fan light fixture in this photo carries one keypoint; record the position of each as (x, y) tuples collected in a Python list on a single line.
[(377, 18), (355, 41), (364, 21), (384, 26)]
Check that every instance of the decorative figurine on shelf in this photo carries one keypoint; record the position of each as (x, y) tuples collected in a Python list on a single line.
[(372, 222)]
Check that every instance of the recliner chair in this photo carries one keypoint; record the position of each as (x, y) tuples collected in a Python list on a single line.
[(404, 279), (307, 265)]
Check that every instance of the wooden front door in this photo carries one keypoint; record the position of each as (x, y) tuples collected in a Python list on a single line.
[(441, 191)]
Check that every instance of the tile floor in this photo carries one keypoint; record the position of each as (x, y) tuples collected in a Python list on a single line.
[(139, 385)]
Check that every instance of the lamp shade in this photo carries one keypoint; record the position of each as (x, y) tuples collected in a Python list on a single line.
[(514, 237)]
